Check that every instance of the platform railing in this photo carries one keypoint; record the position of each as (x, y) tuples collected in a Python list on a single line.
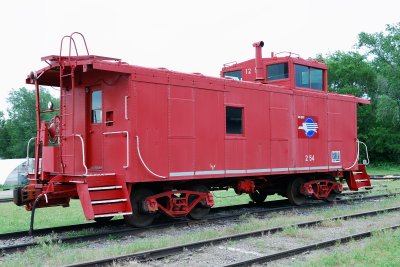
[(83, 150)]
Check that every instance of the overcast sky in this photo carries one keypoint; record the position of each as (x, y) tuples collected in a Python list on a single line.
[(188, 36)]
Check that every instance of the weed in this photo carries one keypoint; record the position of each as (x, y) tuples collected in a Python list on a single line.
[(332, 223), (291, 231)]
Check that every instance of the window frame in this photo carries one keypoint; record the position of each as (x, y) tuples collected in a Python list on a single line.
[(92, 109), (278, 63), (309, 68), (232, 77), (241, 135)]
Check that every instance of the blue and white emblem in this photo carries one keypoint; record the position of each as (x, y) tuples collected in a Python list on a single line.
[(307, 126)]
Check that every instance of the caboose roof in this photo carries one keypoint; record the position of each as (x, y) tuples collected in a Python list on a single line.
[(50, 75)]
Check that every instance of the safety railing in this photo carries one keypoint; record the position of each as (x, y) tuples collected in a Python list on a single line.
[(365, 162), (143, 163), (27, 151), (72, 41), (83, 150)]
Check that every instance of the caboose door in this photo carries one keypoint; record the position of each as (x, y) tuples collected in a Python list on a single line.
[(95, 129)]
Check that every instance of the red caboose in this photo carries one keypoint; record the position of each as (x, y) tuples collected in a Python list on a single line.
[(135, 141)]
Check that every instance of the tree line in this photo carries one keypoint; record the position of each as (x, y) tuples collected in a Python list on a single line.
[(20, 125), (371, 71)]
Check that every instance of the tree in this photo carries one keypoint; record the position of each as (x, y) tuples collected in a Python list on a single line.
[(21, 124), (4, 137), (351, 73), (373, 71), (384, 49)]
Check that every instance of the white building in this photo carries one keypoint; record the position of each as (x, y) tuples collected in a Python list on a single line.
[(13, 171)]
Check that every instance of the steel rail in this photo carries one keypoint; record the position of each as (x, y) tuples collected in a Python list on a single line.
[(6, 200), (312, 247), (76, 227), (170, 251), (385, 177), (269, 206), (130, 230), (175, 223)]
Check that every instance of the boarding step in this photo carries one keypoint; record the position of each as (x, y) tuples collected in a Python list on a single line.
[(112, 214), (104, 195), (106, 201), (101, 180), (359, 178), (105, 188)]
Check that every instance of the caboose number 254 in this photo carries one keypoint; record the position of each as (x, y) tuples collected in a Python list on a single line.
[(137, 141)]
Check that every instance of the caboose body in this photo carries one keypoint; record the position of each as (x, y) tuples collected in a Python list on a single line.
[(135, 141)]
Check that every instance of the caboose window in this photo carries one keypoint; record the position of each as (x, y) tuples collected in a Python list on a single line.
[(308, 77), (96, 107), (316, 79), (277, 71), (236, 75), (234, 120)]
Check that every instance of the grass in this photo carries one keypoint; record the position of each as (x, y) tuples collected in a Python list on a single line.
[(66, 254), (8, 187), (14, 218), (380, 250), (383, 168), (229, 197)]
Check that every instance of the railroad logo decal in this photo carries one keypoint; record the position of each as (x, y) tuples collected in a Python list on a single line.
[(307, 127), (335, 156)]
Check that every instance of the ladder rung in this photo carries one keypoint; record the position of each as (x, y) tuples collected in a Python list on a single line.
[(105, 188), (112, 214), (108, 201)]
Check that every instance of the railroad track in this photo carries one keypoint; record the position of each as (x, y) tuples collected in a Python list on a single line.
[(315, 246), (385, 177), (158, 254), (216, 216), (6, 200), (120, 222)]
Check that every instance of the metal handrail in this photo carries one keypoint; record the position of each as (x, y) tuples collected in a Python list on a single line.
[(27, 151), (83, 150), (126, 107), (72, 41), (144, 164), (358, 142), (84, 41), (127, 145), (62, 41)]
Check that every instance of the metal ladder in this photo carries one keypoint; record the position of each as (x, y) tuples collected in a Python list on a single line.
[(65, 63)]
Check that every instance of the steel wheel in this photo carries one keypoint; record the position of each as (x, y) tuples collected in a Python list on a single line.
[(258, 196), (332, 195), (293, 191), (139, 218), (200, 210)]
